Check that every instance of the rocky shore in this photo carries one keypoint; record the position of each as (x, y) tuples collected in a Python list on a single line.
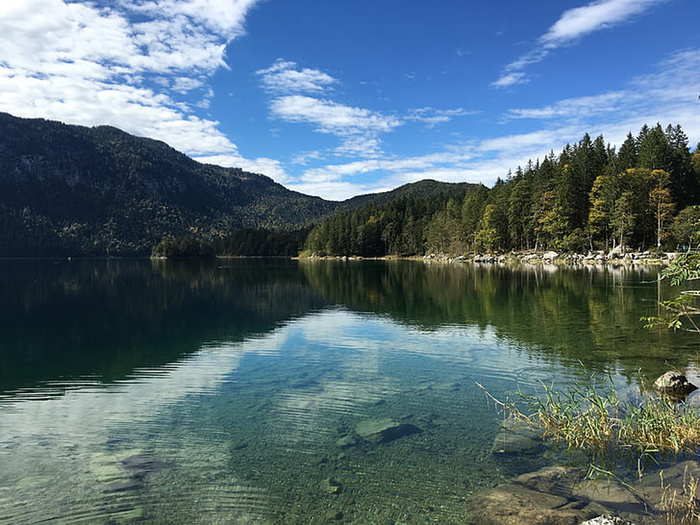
[(613, 257)]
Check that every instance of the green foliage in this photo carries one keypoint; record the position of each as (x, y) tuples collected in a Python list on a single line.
[(686, 227), (183, 247), (682, 310)]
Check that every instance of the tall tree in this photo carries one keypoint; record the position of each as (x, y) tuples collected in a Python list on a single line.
[(661, 202)]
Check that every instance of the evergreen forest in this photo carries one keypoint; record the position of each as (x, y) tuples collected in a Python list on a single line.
[(591, 196)]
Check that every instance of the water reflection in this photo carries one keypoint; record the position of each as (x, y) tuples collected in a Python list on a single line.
[(265, 416), (230, 392), (589, 314), (104, 319)]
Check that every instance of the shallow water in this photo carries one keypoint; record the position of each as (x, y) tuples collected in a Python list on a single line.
[(218, 392)]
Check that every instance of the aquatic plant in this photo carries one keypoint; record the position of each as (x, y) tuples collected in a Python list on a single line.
[(593, 418)]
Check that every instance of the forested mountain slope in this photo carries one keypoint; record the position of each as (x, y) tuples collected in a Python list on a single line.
[(74, 190), (96, 191)]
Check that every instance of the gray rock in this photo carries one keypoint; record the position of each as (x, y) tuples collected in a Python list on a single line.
[(512, 504), (384, 430), (610, 493), (607, 520), (674, 384), (139, 465), (557, 480), (517, 439)]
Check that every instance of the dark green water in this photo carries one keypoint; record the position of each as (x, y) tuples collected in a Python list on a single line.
[(216, 392)]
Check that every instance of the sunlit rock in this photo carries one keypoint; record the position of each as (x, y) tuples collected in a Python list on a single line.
[(674, 384)]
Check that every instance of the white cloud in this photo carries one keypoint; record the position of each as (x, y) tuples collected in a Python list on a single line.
[(602, 14), (572, 25), (283, 77), (263, 166), (576, 107), (432, 117), (510, 79), (330, 117), (91, 64)]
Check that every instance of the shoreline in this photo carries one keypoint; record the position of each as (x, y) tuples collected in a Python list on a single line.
[(598, 258)]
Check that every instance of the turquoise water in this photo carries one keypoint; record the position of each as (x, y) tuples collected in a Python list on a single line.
[(226, 392)]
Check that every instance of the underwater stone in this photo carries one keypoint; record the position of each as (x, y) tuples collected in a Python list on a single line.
[(347, 441), (334, 515), (124, 485), (139, 465), (516, 438), (384, 430), (331, 486)]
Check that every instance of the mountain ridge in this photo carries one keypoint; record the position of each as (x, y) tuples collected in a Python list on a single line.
[(77, 190)]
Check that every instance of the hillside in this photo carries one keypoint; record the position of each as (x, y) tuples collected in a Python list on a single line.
[(74, 190)]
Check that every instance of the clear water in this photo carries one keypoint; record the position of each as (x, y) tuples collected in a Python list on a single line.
[(217, 392)]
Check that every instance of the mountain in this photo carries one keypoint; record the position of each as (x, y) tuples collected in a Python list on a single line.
[(74, 190), (418, 190)]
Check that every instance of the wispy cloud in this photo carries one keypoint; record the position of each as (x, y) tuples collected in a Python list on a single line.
[(431, 117), (573, 25), (576, 107), (305, 96), (285, 77), (669, 94), (302, 95), (331, 117)]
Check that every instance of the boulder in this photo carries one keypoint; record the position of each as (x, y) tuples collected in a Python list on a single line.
[(512, 504), (610, 493), (674, 384)]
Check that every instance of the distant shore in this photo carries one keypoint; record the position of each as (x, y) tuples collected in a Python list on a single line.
[(531, 257)]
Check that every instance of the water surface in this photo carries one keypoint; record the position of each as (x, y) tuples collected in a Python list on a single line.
[(221, 392)]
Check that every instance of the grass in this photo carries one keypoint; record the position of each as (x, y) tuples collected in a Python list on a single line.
[(681, 507), (591, 417)]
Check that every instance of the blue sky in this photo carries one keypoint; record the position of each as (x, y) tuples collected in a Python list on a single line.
[(337, 98)]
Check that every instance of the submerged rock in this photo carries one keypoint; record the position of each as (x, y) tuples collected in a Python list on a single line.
[(516, 438), (384, 430), (556, 496), (331, 486), (346, 441), (512, 504), (123, 485), (139, 465), (674, 384)]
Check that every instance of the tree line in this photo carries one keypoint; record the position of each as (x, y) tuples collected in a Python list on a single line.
[(248, 242), (590, 196)]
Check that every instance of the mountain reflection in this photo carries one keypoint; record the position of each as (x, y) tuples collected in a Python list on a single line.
[(104, 319)]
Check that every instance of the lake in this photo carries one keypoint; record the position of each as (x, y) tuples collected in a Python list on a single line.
[(276, 391)]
